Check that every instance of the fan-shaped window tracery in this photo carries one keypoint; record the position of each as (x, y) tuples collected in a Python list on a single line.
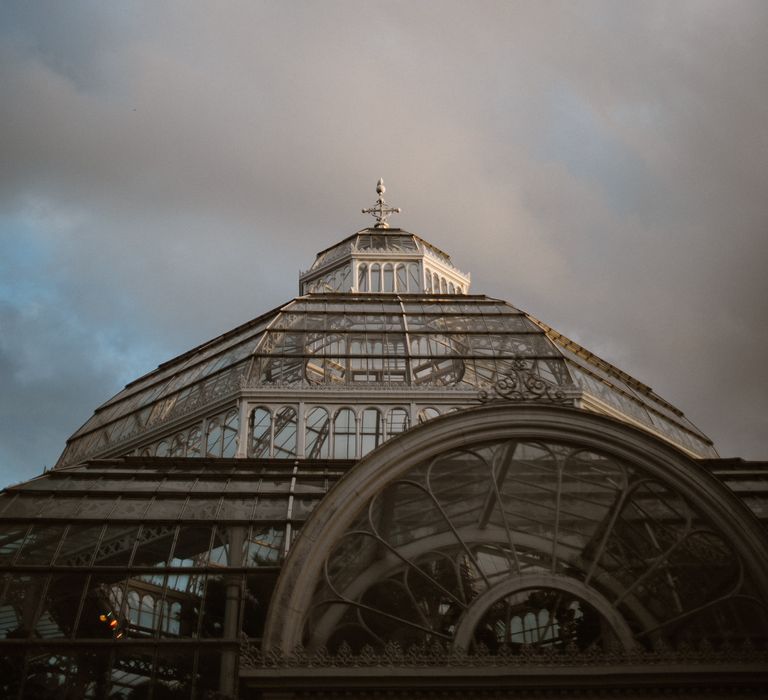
[(540, 543)]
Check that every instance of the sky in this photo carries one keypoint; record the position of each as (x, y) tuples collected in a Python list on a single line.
[(168, 168)]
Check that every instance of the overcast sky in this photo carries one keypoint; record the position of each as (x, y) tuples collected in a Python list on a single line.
[(167, 168)]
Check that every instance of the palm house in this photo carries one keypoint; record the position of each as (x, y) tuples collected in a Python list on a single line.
[(389, 486)]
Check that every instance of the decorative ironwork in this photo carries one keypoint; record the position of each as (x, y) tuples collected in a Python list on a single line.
[(381, 210), (393, 655), (523, 384)]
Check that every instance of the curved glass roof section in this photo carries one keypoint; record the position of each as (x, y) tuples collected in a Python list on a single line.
[(368, 343), (393, 240)]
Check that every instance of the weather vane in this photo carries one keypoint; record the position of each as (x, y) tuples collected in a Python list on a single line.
[(381, 210)]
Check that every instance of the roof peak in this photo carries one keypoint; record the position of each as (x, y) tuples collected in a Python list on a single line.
[(381, 211)]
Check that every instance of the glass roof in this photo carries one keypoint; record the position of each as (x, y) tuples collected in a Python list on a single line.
[(379, 240), (369, 343)]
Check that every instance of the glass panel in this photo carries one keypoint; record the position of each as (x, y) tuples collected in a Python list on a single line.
[(154, 545), (362, 278), (344, 434), (398, 420), (389, 278), (79, 545), (192, 545), (11, 538), (285, 432), (117, 545), (428, 413), (317, 434), (264, 546), (371, 430), (375, 278), (261, 432), (41, 544), (401, 278), (414, 282)]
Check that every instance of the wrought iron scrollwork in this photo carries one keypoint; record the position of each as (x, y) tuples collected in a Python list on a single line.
[(523, 384)]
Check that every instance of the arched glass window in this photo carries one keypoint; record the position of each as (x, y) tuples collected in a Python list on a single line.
[(344, 434), (174, 620), (214, 437), (375, 278), (398, 421), (402, 279), (221, 440), (389, 278), (132, 612), (285, 432), (261, 432), (194, 438), (231, 427), (427, 413), (443, 286), (428, 278), (178, 444), (162, 449), (451, 288), (317, 434), (362, 278), (371, 430), (147, 612), (413, 278), (435, 283)]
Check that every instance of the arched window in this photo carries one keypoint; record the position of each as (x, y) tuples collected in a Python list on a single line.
[(261, 432), (174, 620), (230, 430), (285, 433), (317, 435), (427, 413), (178, 444), (344, 434), (147, 612), (413, 278), (451, 288), (402, 279), (371, 430), (443, 286), (435, 283), (375, 278), (398, 421), (162, 449), (214, 437), (221, 438), (389, 278), (194, 438), (362, 278), (132, 611), (428, 278)]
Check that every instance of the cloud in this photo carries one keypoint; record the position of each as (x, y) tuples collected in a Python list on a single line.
[(599, 164)]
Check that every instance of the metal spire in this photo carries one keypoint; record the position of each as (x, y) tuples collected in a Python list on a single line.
[(381, 210)]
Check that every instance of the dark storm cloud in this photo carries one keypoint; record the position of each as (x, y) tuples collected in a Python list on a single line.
[(601, 165)]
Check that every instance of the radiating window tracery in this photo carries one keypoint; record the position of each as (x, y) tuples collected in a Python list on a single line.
[(475, 521)]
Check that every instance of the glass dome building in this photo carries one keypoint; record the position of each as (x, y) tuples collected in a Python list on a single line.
[(384, 482)]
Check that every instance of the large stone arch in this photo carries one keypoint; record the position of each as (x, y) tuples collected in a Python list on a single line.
[(493, 424)]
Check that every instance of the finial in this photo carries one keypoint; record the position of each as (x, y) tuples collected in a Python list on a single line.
[(380, 210)]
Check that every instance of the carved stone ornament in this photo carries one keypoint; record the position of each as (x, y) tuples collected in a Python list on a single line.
[(523, 384)]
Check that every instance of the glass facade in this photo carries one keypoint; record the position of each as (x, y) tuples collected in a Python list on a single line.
[(181, 555)]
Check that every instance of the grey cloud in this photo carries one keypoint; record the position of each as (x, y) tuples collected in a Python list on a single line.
[(182, 162)]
